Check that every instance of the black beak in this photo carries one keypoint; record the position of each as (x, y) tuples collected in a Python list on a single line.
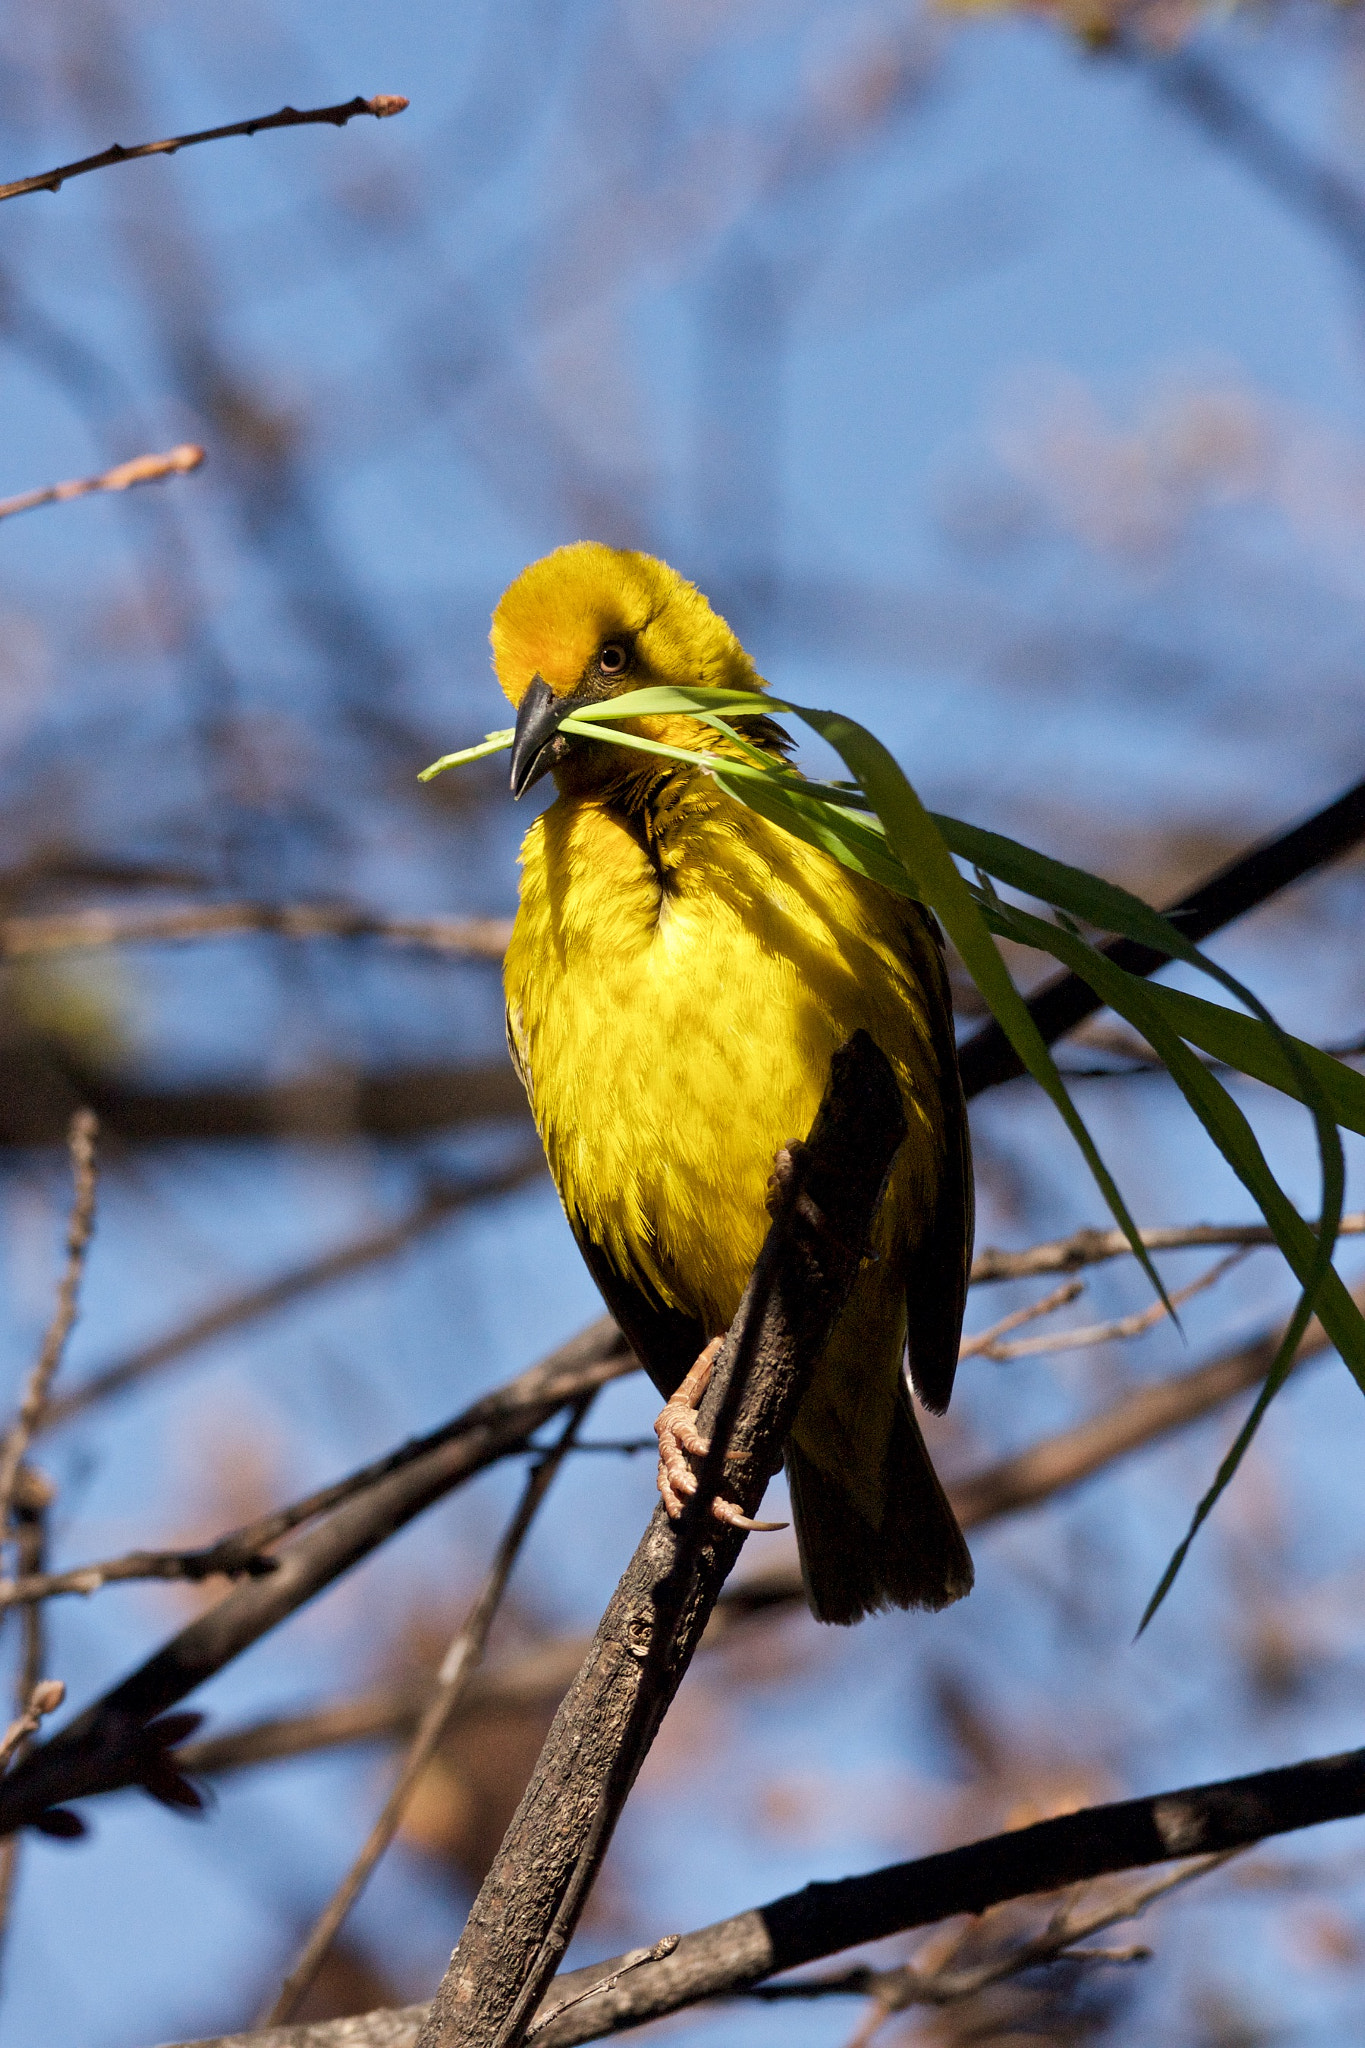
[(533, 750)]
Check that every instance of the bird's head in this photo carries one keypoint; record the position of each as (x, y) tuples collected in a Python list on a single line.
[(590, 622)]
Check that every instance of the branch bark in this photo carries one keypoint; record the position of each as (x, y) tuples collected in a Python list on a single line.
[(382, 105), (1009, 1486), (731, 1955), (117, 1741), (530, 1902), (460, 938)]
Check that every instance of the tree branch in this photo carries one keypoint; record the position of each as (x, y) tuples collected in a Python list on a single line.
[(452, 1683), (462, 938), (1009, 1486), (730, 1956), (117, 1741), (382, 105), (143, 469), (531, 1900), (441, 1200)]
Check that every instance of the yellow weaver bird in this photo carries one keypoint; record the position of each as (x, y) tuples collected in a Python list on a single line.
[(680, 973)]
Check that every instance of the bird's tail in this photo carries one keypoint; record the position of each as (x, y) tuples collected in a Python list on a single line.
[(917, 1558)]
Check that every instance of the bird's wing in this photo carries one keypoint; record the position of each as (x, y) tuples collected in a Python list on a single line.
[(937, 1267), (665, 1341)]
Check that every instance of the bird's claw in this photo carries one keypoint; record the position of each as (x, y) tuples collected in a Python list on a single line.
[(680, 1441)]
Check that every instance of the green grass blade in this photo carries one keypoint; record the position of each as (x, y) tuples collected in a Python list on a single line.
[(1117, 910), (1142, 1005), (1241, 1042), (1279, 1372), (493, 744), (917, 843)]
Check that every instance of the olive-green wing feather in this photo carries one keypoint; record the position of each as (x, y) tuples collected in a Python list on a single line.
[(938, 1266)]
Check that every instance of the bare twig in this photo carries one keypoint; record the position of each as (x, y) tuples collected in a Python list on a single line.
[(33, 1495), (440, 1201), (632, 1961), (1120, 1327), (531, 1900), (117, 1740), (452, 1682), (996, 1945), (143, 469), (981, 1344), (380, 106), (1138, 1419), (1095, 1247), (463, 938), (45, 1698), (81, 1142)]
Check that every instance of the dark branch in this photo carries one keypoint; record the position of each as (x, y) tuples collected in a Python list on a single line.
[(730, 1956), (118, 1741), (380, 106), (1010, 1486), (988, 1058), (1198, 1820)]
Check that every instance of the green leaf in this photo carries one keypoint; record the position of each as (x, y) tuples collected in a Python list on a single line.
[(1117, 910), (1279, 1372), (1140, 1003), (919, 846), (1241, 1042)]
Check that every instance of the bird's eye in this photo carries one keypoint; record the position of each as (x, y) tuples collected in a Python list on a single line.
[(612, 658)]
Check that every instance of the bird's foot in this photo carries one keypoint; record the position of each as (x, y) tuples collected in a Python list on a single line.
[(680, 1442)]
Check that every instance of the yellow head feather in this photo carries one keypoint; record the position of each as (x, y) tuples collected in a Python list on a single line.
[(557, 615)]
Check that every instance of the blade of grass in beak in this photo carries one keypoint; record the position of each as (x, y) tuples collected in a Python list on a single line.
[(495, 743)]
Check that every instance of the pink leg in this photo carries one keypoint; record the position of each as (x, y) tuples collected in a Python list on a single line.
[(679, 1442)]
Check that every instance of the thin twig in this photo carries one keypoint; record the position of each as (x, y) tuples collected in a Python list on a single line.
[(463, 938), (1095, 1247), (380, 106), (633, 1961), (440, 1201), (1119, 1328), (974, 1347), (452, 1682), (81, 1143), (45, 1698), (143, 469)]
